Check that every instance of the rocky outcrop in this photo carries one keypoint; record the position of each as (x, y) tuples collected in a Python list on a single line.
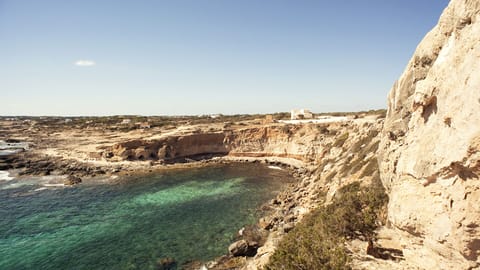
[(307, 144), (243, 248), (286, 141), (168, 148), (34, 164), (345, 153), (430, 149), (72, 180), (274, 141), (167, 263)]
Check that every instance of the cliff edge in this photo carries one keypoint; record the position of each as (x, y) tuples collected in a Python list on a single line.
[(429, 155)]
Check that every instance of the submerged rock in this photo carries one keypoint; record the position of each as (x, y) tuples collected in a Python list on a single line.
[(167, 263)]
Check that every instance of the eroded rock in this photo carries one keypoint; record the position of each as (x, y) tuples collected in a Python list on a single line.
[(167, 263), (243, 248), (429, 154), (72, 180)]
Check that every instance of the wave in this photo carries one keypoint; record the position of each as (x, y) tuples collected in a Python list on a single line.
[(53, 185), (5, 176)]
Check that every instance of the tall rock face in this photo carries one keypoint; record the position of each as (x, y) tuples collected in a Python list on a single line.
[(430, 148)]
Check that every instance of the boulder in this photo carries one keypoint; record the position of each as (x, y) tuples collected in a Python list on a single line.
[(288, 227), (266, 223), (166, 263), (243, 248), (72, 180)]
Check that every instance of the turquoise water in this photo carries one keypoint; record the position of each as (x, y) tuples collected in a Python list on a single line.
[(131, 223)]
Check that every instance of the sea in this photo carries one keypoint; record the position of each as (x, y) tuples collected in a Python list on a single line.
[(131, 222)]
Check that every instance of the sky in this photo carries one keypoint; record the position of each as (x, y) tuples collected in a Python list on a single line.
[(187, 57)]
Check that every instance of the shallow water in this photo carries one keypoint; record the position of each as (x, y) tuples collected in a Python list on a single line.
[(131, 223)]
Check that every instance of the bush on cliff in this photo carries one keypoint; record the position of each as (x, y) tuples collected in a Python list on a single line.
[(318, 241)]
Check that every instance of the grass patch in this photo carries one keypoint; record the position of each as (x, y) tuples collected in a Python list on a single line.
[(318, 241)]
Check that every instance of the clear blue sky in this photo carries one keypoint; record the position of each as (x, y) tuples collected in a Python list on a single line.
[(94, 57)]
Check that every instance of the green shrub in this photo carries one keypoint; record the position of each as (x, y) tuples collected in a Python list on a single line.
[(287, 129), (318, 241), (323, 129), (312, 250)]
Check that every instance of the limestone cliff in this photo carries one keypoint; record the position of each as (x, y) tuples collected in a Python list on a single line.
[(430, 149), (168, 148), (285, 141), (306, 145)]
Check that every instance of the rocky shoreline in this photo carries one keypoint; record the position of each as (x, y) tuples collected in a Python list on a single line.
[(280, 217), (320, 157), (256, 243)]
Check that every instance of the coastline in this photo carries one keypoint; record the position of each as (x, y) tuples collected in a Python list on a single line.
[(270, 209), (311, 153), (56, 181)]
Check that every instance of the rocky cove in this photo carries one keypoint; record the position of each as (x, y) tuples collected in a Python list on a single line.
[(135, 222), (424, 151), (320, 156)]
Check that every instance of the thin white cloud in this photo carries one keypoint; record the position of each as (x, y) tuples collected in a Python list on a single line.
[(85, 63)]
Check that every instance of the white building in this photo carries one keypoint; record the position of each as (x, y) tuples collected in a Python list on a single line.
[(213, 116), (142, 125), (126, 121), (301, 114)]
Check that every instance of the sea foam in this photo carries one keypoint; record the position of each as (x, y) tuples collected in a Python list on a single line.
[(5, 176)]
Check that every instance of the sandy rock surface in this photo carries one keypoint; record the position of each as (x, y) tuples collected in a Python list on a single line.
[(429, 155)]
